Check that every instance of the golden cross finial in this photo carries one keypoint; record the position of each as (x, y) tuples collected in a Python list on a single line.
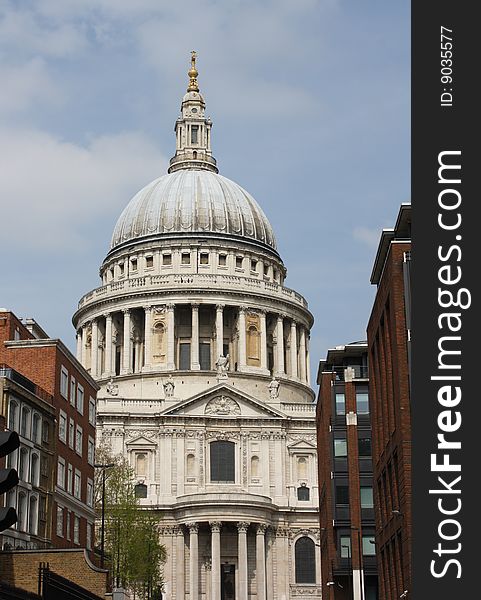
[(193, 85)]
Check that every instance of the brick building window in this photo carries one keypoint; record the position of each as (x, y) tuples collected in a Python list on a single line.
[(36, 428), (340, 403), (362, 403), (76, 530), (367, 499), (62, 427), (80, 399), (167, 260), (305, 557), (89, 536), (90, 492), (69, 479), (64, 382), (61, 473), (73, 387), (79, 440), (25, 422), (69, 525), (365, 446), (91, 451), (345, 546), (77, 484), (340, 447), (59, 521), (368, 545), (92, 411), (71, 433), (12, 415)]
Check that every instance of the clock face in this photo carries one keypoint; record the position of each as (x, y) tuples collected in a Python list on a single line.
[(194, 110)]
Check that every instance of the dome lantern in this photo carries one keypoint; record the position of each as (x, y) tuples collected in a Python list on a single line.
[(192, 130)]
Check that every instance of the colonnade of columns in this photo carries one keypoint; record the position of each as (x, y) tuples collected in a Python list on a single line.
[(98, 342), (242, 557)]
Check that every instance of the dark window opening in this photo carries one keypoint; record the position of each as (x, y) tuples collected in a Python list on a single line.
[(303, 494), (222, 462), (305, 561)]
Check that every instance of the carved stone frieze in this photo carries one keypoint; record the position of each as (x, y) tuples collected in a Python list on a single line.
[(222, 406)]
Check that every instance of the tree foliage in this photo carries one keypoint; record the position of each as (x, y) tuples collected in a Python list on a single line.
[(131, 533)]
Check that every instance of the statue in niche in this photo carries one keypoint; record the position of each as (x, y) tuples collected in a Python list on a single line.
[(112, 388), (274, 388), (169, 387), (222, 366)]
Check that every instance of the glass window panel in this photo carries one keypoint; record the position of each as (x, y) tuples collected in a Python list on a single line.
[(303, 494), (222, 461), (345, 546), (362, 403), (368, 545), (184, 357), (204, 356), (340, 404), (367, 500), (340, 447), (342, 494), (305, 561), (365, 447)]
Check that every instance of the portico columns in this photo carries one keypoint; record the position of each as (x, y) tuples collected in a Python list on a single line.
[(242, 545), (79, 344), (261, 561), (108, 346), (148, 338), (280, 345), (194, 560), (302, 355), (219, 331), (94, 357), (194, 351), (308, 361), (170, 337), (215, 540), (293, 349), (180, 565), (126, 367), (84, 346), (242, 338)]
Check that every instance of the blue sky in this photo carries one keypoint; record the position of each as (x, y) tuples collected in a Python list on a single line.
[(310, 101)]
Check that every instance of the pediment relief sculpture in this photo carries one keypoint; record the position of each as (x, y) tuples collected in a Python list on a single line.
[(222, 406)]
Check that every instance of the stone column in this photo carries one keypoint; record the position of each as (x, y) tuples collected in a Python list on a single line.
[(180, 566), (194, 349), (302, 355), (219, 331), (79, 344), (261, 561), (263, 340), (242, 528), (148, 338), (94, 357), (126, 366), (308, 361), (293, 349), (280, 345), (108, 346), (170, 337), (242, 338), (194, 560), (84, 345), (215, 573)]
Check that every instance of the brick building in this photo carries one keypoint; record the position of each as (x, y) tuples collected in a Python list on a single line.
[(346, 510), (46, 366), (389, 367)]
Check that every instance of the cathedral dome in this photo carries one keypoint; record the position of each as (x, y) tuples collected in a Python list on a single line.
[(192, 201)]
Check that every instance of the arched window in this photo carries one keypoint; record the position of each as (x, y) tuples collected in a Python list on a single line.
[(36, 428), (302, 468), (190, 464), (253, 345), (141, 465), (23, 465), (32, 515), (255, 466), (159, 343), (303, 493), (305, 560), (21, 511), (25, 424), (34, 470), (12, 416), (222, 462)]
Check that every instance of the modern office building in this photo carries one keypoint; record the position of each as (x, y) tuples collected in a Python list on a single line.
[(344, 445)]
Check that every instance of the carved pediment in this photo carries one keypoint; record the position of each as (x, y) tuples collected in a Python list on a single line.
[(224, 401)]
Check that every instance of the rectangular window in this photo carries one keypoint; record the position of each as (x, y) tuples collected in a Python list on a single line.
[(92, 411), (149, 262), (253, 265), (185, 258), (340, 447), (71, 433), (73, 387), (68, 525), (80, 399), (345, 546), (362, 403), (64, 382), (61, 473), (79, 440), (204, 356), (77, 484), (222, 462), (342, 494), (238, 262), (367, 500), (167, 260), (62, 427), (76, 530), (184, 356), (340, 404), (90, 492), (91, 451), (89, 536), (222, 260), (133, 264), (194, 134), (69, 479), (365, 448), (204, 258), (368, 545), (59, 521)]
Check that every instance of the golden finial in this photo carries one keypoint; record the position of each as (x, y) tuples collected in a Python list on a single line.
[(193, 85)]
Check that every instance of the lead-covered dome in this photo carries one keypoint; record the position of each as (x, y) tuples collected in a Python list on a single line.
[(192, 201)]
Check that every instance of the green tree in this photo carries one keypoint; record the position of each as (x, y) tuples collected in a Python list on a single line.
[(131, 533)]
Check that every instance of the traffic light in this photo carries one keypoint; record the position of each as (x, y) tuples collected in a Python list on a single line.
[(9, 442)]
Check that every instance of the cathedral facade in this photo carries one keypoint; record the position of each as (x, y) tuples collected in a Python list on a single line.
[(202, 355)]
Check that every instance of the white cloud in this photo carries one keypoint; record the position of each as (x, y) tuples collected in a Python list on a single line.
[(367, 236), (55, 190)]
